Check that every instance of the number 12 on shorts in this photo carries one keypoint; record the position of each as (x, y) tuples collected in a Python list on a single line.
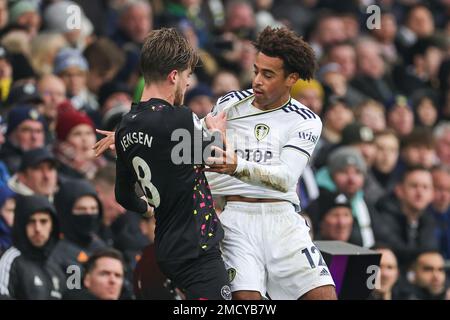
[(309, 255)]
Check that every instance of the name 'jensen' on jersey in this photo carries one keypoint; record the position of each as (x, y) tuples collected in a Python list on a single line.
[(136, 137)]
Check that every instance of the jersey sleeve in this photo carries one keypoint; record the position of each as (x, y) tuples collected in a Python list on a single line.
[(294, 157), (125, 186), (304, 136)]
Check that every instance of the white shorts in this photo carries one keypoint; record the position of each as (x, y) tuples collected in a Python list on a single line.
[(267, 248)]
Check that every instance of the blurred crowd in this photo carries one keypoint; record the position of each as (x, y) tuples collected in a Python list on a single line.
[(379, 176)]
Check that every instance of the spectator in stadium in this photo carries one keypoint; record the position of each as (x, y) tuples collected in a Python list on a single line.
[(345, 173), (25, 13), (335, 217), (71, 66), (27, 271), (103, 277), (75, 137), (209, 63), (336, 116), (440, 208), (386, 158), (418, 148), (114, 98), (310, 93), (372, 114), (421, 69), (103, 183), (233, 48), (37, 174), (344, 54), (387, 285), (409, 229), (419, 23), (79, 212), (4, 13), (335, 83), (53, 92), (442, 135), (373, 78), (25, 131), (17, 40), (400, 116), (385, 35), (328, 29), (105, 59), (427, 277), (362, 138), (223, 82), (425, 108), (7, 206), (44, 48), (200, 100), (135, 22), (6, 72), (56, 17)]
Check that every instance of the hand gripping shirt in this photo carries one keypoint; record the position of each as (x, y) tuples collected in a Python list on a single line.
[(273, 147)]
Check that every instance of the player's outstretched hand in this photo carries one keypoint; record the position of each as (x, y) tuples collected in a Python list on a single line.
[(105, 143), (224, 161), (217, 122)]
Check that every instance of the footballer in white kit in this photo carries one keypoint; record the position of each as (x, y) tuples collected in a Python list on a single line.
[(267, 246)]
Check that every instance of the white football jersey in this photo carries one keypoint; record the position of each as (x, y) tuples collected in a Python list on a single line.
[(260, 136)]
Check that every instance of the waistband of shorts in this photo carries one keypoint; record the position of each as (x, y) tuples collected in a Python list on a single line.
[(258, 208)]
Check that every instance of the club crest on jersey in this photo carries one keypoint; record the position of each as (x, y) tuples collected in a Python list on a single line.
[(261, 131)]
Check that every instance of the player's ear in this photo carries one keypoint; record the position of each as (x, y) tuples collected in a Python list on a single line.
[(172, 77), (292, 78)]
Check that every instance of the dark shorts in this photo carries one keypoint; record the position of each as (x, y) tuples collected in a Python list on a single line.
[(201, 278)]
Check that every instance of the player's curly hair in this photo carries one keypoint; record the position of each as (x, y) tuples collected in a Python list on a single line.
[(165, 50), (285, 44)]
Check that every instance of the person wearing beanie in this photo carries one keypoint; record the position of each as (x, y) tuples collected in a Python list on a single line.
[(25, 13), (200, 100), (335, 217), (362, 138), (56, 16), (345, 173), (37, 174), (28, 272), (72, 67), (80, 212), (7, 206), (310, 93), (75, 136), (25, 131)]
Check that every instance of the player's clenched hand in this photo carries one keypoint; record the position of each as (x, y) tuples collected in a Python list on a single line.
[(216, 122), (150, 211), (224, 161), (104, 144)]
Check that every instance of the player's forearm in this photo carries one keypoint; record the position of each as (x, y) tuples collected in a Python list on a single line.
[(124, 192), (130, 201), (277, 177)]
